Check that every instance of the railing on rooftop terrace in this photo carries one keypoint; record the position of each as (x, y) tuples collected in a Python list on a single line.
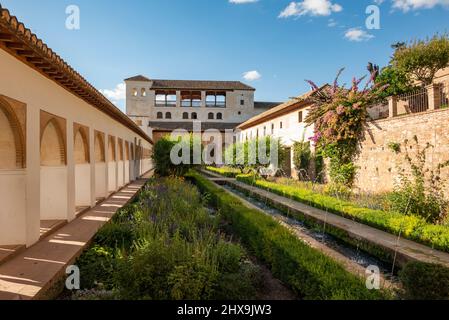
[(215, 104), (413, 102), (433, 97), (163, 104)]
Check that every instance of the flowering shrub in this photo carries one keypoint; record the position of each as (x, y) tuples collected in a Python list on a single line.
[(340, 117)]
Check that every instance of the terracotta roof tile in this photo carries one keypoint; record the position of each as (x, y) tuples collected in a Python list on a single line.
[(192, 84), (297, 103), (265, 105), (138, 78)]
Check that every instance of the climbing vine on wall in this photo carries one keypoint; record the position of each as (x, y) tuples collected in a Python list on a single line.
[(340, 116)]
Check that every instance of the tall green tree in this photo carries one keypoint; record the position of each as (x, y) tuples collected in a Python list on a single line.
[(255, 154), (183, 148), (422, 59), (393, 82)]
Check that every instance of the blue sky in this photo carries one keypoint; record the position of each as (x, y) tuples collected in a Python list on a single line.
[(279, 42)]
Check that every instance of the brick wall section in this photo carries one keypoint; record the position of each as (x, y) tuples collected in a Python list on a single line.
[(379, 165)]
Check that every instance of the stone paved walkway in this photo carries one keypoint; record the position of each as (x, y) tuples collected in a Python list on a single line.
[(33, 272), (8, 252), (404, 249)]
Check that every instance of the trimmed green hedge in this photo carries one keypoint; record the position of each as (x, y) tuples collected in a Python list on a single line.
[(411, 227), (225, 171), (424, 281), (309, 272)]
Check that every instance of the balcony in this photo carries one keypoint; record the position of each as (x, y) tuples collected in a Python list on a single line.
[(166, 99), (191, 99), (215, 99), (191, 103), (210, 104), (166, 104)]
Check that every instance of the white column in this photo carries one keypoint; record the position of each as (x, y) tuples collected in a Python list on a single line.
[(393, 106), (93, 197), (178, 99), (203, 99), (117, 159), (123, 163), (70, 171), (434, 94), (106, 161), (33, 169)]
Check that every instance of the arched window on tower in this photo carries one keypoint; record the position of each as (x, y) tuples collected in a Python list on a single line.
[(210, 116)]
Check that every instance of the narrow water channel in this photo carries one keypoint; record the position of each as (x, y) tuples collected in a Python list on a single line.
[(352, 253)]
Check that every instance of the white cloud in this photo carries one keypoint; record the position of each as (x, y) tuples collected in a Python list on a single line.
[(242, 1), (332, 23), (310, 7), (252, 75), (117, 94), (407, 5), (358, 35)]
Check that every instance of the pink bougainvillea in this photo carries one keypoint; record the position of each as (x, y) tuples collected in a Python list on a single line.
[(340, 116)]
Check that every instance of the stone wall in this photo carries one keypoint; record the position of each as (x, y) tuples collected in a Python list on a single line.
[(379, 165)]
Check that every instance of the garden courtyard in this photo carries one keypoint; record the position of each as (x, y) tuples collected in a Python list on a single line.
[(204, 236), (348, 212), (239, 228)]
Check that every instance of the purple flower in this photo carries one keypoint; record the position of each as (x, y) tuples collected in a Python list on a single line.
[(313, 85), (316, 138)]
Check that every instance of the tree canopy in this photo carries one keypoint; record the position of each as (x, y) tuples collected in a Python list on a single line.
[(422, 59)]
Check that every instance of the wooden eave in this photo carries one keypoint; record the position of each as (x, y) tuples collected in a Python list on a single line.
[(21, 43)]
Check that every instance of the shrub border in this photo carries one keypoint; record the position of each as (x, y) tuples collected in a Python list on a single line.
[(310, 273), (382, 253), (437, 236), (223, 171)]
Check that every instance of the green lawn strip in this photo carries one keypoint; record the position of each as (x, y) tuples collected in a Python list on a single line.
[(410, 227), (310, 273)]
